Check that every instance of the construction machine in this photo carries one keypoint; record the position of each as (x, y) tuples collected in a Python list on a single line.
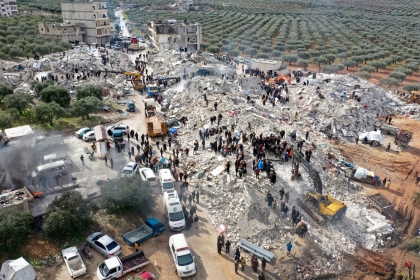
[(135, 78), (319, 206), (156, 126), (414, 97)]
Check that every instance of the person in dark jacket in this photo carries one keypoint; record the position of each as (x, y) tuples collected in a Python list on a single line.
[(227, 246)]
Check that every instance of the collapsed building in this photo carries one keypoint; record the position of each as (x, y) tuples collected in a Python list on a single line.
[(324, 108)]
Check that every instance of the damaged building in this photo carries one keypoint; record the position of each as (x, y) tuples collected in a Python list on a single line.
[(86, 22), (8, 8), (173, 34)]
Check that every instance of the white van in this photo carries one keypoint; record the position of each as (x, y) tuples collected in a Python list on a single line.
[(166, 180), (57, 157), (51, 169), (181, 253), (173, 210)]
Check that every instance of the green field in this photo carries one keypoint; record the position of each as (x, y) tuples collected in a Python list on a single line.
[(331, 34)]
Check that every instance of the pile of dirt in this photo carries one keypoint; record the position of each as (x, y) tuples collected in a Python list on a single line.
[(370, 263)]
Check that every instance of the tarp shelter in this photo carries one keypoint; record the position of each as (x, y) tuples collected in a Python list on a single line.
[(363, 173), (372, 136), (17, 270), (23, 136), (100, 133)]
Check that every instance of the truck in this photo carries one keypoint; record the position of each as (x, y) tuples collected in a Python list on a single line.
[(115, 267), (382, 205), (149, 107), (151, 227), (134, 46), (152, 89), (156, 126), (403, 137), (363, 175), (74, 262)]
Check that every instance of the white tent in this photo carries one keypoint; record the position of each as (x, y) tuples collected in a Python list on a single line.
[(372, 135), (17, 270)]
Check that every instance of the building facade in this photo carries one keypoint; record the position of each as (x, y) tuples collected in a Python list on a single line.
[(8, 7), (185, 5), (172, 34), (94, 16), (86, 22), (68, 32)]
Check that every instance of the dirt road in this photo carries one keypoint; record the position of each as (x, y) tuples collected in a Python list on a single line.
[(402, 167)]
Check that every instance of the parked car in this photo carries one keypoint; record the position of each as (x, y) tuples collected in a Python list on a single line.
[(131, 107), (89, 136), (142, 48), (104, 244), (145, 275), (130, 169), (74, 262), (121, 127), (147, 175), (82, 131)]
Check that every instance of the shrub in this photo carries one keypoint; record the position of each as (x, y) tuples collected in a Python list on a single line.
[(125, 195), (67, 216), (14, 229)]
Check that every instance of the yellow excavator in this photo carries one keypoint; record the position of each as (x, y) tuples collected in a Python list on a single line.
[(320, 207), (135, 78), (414, 97)]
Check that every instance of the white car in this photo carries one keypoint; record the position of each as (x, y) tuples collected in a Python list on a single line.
[(147, 175), (121, 127), (89, 136), (104, 244), (130, 169)]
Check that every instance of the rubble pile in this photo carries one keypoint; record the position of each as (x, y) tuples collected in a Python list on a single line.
[(84, 59), (240, 204)]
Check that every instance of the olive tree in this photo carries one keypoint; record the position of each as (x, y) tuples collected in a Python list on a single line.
[(67, 216), (15, 229), (5, 90), (364, 75), (124, 195), (18, 101)]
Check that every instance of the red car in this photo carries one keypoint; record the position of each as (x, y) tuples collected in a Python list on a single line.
[(145, 275)]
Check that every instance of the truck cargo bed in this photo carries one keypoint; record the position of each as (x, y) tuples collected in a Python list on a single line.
[(382, 204), (134, 261)]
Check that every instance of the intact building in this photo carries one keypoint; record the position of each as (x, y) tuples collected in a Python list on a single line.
[(172, 34), (185, 5), (86, 22), (94, 16), (8, 7)]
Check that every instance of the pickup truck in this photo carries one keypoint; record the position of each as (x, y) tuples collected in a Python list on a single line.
[(151, 227), (115, 267), (74, 262)]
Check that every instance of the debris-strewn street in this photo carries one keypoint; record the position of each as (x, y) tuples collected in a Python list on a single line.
[(282, 163)]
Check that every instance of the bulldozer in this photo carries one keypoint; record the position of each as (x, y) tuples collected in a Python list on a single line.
[(414, 97), (134, 77), (321, 207)]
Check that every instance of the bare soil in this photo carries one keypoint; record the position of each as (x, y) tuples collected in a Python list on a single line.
[(402, 167)]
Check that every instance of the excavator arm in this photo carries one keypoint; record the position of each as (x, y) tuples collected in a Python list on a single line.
[(297, 160)]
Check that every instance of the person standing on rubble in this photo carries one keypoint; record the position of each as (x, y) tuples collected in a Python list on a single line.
[(388, 147), (215, 106), (289, 247)]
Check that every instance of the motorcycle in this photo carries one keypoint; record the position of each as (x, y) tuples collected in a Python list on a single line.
[(86, 252), (91, 155)]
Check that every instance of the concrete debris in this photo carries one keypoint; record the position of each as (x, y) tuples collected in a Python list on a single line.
[(240, 203), (330, 108)]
